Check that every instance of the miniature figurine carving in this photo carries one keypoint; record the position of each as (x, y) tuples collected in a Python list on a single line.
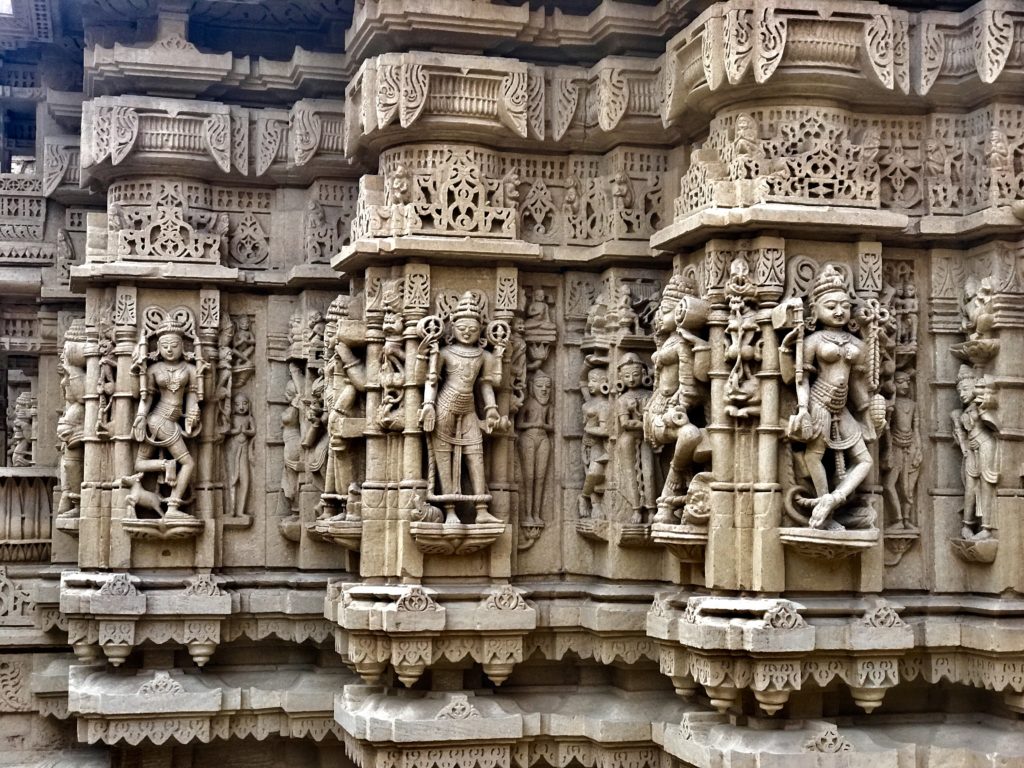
[(596, 421), (902, 456), (70, 425), (291, 435), (975, 432), (743, 350), (456, 373), (666, 419), (392, 361), (105, 384), (636, 459), (344, 378), (835, 409), (170, 388), (21, 435), (239, 454), (535, 426)]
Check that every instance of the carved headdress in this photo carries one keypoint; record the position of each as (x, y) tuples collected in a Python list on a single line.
[(469, 306), (829, 281), (170, 326)]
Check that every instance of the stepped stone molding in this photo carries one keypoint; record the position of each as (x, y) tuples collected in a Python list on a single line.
[(173, 65)]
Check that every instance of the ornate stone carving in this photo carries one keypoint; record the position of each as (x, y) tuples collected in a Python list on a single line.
[(449, 415), (171, 394), (845, 383)]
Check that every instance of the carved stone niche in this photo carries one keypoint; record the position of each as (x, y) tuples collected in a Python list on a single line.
[(621, 469)]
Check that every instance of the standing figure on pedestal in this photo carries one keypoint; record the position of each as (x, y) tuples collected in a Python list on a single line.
[(636, 459), (831, 376), (345, 379), (666, 421), (534, 442), (71, 424), (457, 373), (291, 436), (596, 420), (902, 456), (239, 454), (975, 433), (163, 425)]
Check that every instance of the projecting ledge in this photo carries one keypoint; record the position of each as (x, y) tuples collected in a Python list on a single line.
[(450, 250), (710, 222)]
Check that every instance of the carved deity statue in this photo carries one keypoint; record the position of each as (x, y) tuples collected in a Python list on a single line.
[(636, 459), (21, 434), (535, 425), (975, 432), (743, 344), (902, 456), (596, 422), (291, 436), (392, 360), (461, 377), (666, 418), (170, 389), (106, 382), (344, 379), (836, 411), (240, 454), (70, 425)]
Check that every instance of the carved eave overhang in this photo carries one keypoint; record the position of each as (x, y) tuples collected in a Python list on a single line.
[(172, 65), (591, 727), (169, 706), (742, 50), (62, 171), (30, 21), (503, 103), (978, 50), (379, 26), (127, 135)]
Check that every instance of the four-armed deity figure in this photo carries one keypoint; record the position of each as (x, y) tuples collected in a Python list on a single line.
[(457, 373), (835, 407), (170, 388)]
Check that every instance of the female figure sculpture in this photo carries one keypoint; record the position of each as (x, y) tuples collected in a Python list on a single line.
[(534, 441), (239, 454), (974, 432), (164, 424), (666, 420), (836, 363), (596, 418), (636, 459)]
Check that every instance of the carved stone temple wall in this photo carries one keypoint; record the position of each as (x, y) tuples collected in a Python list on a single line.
[(576, 384)]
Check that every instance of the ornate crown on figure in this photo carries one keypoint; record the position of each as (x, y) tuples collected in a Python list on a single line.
[(830, 280), (675, 290), (469, 306), (170, 326)]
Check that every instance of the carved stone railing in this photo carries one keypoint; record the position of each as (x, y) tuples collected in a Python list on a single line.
[(26, 498), (940, 164), (22, 207), (462, 190)]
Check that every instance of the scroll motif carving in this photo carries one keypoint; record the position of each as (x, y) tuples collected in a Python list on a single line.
[(217, 135)]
